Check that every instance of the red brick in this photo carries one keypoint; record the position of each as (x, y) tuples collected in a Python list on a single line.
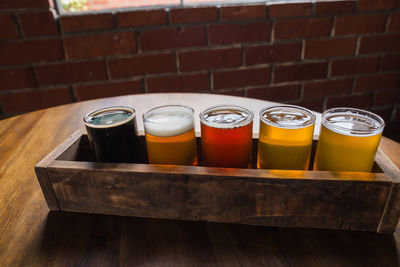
[(377, 82), (240, 78), (384, 113), (333, 8), (273, 53), (276, 93), (300, 72), (387, 97), (38, 23), (8, 28), (17, 78), (391, 62), (327, 88), (394, 23), (33, 100), (367, 23), (142, 64), (170, 38), (375, 4), (93, 91), (179, 83), (20, 52), (141, 18), (243, 12), (354, 101), (312, 104), (8, 4), (239, 33), (289, 10), (354, 66), (99, 45), (87, 22), (210, 59), (189, 15), (332, 47), (70, 72), (397, 114), (381, 43), (302, 28)]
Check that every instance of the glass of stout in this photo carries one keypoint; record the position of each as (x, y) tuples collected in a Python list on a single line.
[(112, 134)]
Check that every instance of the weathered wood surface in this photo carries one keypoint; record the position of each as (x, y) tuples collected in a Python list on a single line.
[(313, 199), (30, 235)]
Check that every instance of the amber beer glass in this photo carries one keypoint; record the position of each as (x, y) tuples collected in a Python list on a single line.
[(226, 136), (112, 134), (170, 136), (285, 140), (348, 140)]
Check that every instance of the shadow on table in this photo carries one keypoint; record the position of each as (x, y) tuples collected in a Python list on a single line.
[(97, 240)]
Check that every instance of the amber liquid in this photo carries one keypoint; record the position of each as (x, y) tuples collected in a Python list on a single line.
[(283, 148), (341, 152), (174, 150), (226, 147)]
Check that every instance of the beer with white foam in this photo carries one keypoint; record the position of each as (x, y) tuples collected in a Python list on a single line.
[(170, 136)]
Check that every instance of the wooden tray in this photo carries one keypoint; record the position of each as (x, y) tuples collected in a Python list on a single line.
[(72, 181)]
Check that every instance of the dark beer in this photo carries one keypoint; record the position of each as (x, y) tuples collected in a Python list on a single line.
[(112, 134)]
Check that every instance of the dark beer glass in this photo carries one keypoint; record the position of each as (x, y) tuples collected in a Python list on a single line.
[(112, 134)]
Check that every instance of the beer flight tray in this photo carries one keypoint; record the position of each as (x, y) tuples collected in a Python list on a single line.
[(72, 181)]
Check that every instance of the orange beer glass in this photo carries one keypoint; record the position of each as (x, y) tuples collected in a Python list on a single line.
[(286, 135), (226, 136), (170, 137), (348, 140)]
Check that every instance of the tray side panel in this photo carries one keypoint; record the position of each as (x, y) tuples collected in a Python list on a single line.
[(336, 204), (42, 174), (47, 189), (391, 213)]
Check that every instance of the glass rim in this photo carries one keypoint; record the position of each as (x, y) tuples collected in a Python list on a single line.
[(102, 110), (343, 130), (165, 106), (246, 122), (309, 112)]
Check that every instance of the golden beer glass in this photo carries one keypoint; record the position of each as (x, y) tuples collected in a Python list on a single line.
[(285, 140), (170, 136), (348, 140)]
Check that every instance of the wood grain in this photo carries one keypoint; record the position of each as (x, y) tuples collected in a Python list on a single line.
[(30, 235)]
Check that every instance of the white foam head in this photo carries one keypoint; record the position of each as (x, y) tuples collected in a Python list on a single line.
[(168, 121)]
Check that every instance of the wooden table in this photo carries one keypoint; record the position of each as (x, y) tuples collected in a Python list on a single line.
[(30, 235)]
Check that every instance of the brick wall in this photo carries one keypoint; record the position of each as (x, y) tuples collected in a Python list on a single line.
[(317, 55)]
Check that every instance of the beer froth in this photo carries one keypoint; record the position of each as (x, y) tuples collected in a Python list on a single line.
[(168, 123)]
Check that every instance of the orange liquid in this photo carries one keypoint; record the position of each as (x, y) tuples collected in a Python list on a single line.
[(174, 150), (226, 147), (280, 148), (285, 141)]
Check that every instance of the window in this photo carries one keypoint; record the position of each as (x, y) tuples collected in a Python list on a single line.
[(95, 5)]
